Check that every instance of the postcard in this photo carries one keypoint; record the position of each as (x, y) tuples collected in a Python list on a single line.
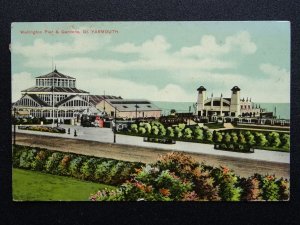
[(151, 111)]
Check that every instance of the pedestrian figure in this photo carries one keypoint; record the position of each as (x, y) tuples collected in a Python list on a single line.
[(69, 131), (75, 134)]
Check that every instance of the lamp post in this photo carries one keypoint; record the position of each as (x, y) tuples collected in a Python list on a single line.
[(189, 115), (15, 126), (115, 126), (136, 106)]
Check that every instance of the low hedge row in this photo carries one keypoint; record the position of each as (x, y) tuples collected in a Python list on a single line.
[(102, 170)]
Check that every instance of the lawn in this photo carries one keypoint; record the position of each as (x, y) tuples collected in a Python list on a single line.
[(37, 186)]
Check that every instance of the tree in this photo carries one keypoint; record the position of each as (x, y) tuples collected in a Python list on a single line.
[(142, 130)]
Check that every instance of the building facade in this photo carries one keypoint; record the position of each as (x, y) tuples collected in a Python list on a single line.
[(129, 108), (54, 96), (220, 106)]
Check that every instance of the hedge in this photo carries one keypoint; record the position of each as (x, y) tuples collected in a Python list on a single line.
[(101, 170)]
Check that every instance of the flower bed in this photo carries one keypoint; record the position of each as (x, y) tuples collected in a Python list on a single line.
[(234, 148), (101, 170), (44, 129), (159, 140), (178, 177)]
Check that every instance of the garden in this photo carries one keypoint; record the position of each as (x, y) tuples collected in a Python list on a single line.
[(173, 177), (232, 139), (44, 129)]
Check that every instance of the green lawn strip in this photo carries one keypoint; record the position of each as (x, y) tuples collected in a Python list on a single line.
[(37, 186)]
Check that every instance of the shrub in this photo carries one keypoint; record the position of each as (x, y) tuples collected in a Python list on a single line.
[(142, 130), (64, 165), (208, 136), (251, 189), (40, 160), (285, 141), (188, 133), (170, 132), (74, 167), (198, 134), (102, 170), (274, 139), (27, 158), (228, 184), (87, 169), (51, 165)]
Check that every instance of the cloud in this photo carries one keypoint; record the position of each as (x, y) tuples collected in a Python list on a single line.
[(275, 72), (149, 49), (131, 89), (21, 81), (209, 47)]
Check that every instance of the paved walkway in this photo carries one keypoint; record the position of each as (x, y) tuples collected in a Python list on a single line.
[(105, 135)]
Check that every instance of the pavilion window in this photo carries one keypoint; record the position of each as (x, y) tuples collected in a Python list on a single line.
[(36, 82)]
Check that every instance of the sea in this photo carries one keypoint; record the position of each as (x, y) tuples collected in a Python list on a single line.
[(282, 109)]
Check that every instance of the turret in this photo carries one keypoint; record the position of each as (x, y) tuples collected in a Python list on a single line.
[(235, 106), (200, 101)]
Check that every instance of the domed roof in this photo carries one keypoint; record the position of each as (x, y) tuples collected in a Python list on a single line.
[(201, 88), (235, 88)]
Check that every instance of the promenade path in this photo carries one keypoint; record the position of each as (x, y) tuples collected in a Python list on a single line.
[(99, 142), (105, 135)]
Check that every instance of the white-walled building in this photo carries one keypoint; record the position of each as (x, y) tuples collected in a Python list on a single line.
[(54, 96), (220, 106)]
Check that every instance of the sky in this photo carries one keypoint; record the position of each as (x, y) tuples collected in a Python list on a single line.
[(158, 61)]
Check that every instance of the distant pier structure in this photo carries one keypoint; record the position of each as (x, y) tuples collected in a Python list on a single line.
[(231, 109)]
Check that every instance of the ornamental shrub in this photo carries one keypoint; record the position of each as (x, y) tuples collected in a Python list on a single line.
[(251, 189), (261, 139), (285, 141), (208, 136), (188, 133), (102, 170), (274, 139), (170, 132), (142, 130), (64, 165), (134, 128), (87, 169), (198, 134), (40, 160), (155, 130), (147, 127), (228, 182), (26, 158), (51, 165), (74, 166)]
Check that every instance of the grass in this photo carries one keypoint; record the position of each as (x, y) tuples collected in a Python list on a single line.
[(37, 186)]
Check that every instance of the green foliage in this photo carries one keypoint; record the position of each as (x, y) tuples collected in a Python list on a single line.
[(217, 137), (147, 127), (51, 165), (87, 169), (27, 158), (261, 139), (274, 139), (74, 167), (188, 133), (155, 130), (133, 128), (198, 133), (208, 136), (170, 132), (142, 130), (285, 140), (181, 126), (250, 138)]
